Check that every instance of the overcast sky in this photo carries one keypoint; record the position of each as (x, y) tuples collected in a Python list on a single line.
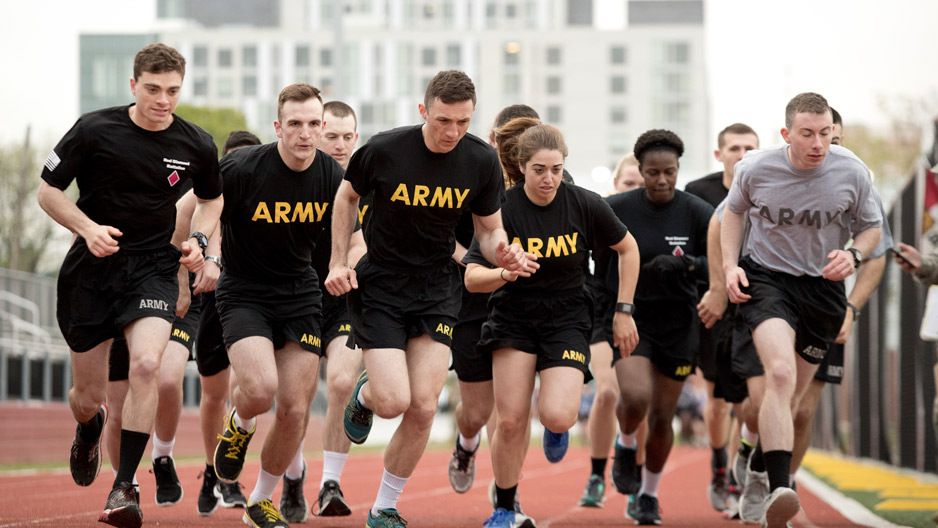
[(760, 53)]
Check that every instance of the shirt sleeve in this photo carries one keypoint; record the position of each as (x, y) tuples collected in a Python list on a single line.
[(608, 229), (868, 213), (228, 169), (207, 184), (360, 169), (65, 162), (489, 199), (738, 200)]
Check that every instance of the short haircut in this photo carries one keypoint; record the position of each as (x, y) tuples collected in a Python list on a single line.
[(805, 102), (656, 140), (513, 112), (238, 139), (735, 128), (296, 92), (340, 110), (450, 86), (837, 119), (629, 160), (159, 58)]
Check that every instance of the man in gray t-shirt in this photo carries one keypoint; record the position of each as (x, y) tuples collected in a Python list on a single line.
[(804, 200)]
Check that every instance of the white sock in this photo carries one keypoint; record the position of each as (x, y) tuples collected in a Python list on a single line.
[(264, 489), (332, 465), (135, 476), (361, 396), (650, 483), (246, 425), (162, 448), (626, 440), (470, 444), (297, 466), (388, 493), (791, 480), (751, 438)]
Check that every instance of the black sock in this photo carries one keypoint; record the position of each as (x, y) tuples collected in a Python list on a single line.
[(133, 444), (718, 458), (599, 466), (778, 463), (756, 462), (90, 431), (505, 497)]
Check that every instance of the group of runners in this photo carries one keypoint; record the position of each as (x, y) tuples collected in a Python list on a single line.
[(428, 247)]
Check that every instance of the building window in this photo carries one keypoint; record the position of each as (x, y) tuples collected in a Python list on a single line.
[(325, 57), (225, 87), (618, 146), (512, 83), (554, 114), (224, 58), (617, 84), (512, 53), (367, 113), (617, 115), (672, 112), (672, 83), (302, 56), (672, 53), (200, 56), (249, 85), (428, 56), (511, 11), (249, 56), (580, 12), (453, 55), (200, 87), (554, 86), (617, 55), (553, 55), (490, 13)]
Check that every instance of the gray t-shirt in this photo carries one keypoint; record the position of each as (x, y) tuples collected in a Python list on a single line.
[(885, 241), (799, 216), (744, 240)]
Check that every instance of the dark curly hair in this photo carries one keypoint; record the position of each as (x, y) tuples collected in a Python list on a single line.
[(657, 139)]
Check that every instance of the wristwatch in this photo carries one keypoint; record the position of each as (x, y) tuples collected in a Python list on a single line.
[(201, 239), (857, 256), (216, 260), (626, 308)]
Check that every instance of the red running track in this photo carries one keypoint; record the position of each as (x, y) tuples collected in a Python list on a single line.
[(549, 492)]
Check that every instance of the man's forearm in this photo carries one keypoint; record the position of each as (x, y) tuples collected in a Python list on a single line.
[(63, 210), (715, 256), (866, 241), (868, 277), (205, 217), (488, 242), (731, 238), (343, 220)]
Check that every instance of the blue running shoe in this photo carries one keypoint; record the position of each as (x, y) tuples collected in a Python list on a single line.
[(555, 445), (358, 419), (387, 518), (501, 518)]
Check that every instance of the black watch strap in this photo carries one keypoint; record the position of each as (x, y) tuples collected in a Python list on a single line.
[(201, 239), (626, 308)]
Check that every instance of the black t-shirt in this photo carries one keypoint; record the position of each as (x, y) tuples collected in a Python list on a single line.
[(561, 234), (324, 243), (419, 195), (129, 177), (274, 215), (709, 188), (678, 227)]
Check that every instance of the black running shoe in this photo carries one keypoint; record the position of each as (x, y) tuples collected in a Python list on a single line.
[(646, 511), (263, 515), (123, 507), (168, 488), (331, 501), (84, 460), (231, 450), (293, 506), (208, 500), (230, 495), (624, 472), (462, 468)]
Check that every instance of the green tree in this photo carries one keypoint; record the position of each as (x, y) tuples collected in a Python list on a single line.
[(219, 122)]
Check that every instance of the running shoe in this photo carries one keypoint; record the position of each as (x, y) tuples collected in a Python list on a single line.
[(358, 419), (625, 472), (387, 518), (501, 518), (521, 520), (231, 450), (84, 460), (555, 445), (741, 462), (293, 507), (595, 493), (208, 495), (780, 506), (230, 495), (263, 515), (331, 501), (752, 501), (718, 491), (631, 507), (168, 488), (123, 507), (462, 468), (646, 511)]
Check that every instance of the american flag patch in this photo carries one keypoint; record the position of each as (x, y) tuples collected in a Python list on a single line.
[(52, 161)]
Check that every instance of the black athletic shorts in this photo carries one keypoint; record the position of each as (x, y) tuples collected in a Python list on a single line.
[(390, 306), (734, 365), (813, 306), (470, 363), (211, 356), (707, 351), (831, 369), (668, 335), (97, 297), (556, 327), (335, 319), (280, 312), (604, 310)]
